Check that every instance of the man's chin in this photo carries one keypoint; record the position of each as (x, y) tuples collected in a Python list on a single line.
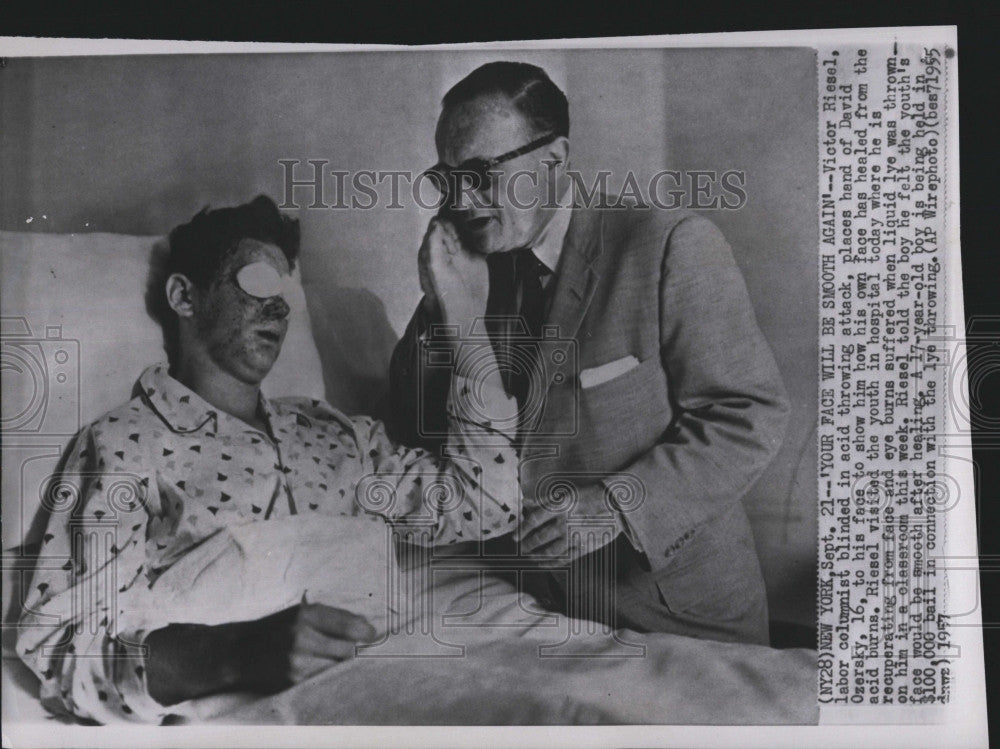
[(483, 245), (254, 371), (484, 241)]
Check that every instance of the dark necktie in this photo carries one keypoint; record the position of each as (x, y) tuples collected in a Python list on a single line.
[(512, 326)]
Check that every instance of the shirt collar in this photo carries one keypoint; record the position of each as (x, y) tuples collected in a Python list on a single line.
[(549, 245), (186, 411)]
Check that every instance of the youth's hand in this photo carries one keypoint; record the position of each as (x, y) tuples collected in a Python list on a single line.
[(322, 636), (185, 661), (454, 280)]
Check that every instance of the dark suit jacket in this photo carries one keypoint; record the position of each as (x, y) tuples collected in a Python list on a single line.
[(693, 425)]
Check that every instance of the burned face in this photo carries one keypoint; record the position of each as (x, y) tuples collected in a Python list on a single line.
[(242, 330)]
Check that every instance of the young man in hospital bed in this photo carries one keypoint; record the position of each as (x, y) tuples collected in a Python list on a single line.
[(238, 499), (223, 543)]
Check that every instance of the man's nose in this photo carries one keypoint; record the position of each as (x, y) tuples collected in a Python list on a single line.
[(276, 308), (467, 193), (463, 200)]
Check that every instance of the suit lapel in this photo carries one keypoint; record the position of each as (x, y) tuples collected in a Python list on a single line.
[(575, 283), (576, 278)]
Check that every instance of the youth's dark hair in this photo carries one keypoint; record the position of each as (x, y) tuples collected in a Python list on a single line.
[(198, 249), (528, 87)]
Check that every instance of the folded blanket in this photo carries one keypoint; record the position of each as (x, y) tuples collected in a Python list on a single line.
[(459, 647), (248, 571)]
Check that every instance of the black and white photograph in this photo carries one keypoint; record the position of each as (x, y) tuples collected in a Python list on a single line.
[(543, 385)]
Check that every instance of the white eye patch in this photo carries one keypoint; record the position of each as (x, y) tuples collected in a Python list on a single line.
[(262, 280)]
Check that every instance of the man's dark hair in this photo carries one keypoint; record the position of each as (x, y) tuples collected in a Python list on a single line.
[(199, 248), (528, 87)]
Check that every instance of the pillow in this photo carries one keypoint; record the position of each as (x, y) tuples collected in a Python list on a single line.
[(75, 337)]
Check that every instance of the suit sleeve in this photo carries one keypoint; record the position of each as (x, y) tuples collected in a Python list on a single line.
[(417, 398), (730, 406)]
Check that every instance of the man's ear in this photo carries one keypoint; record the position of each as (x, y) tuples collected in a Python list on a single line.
[(180, 294)]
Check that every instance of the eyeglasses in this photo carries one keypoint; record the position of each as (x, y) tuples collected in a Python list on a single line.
[(476, 174), (262, 280)]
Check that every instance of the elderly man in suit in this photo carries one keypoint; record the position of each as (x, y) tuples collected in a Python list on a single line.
[(672, 406)]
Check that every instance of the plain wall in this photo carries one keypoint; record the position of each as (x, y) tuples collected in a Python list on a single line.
[(136, 145)]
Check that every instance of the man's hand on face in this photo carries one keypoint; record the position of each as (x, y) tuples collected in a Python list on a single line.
[(454, 280)]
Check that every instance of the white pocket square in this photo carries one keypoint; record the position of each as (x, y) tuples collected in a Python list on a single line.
[(596, 375)]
